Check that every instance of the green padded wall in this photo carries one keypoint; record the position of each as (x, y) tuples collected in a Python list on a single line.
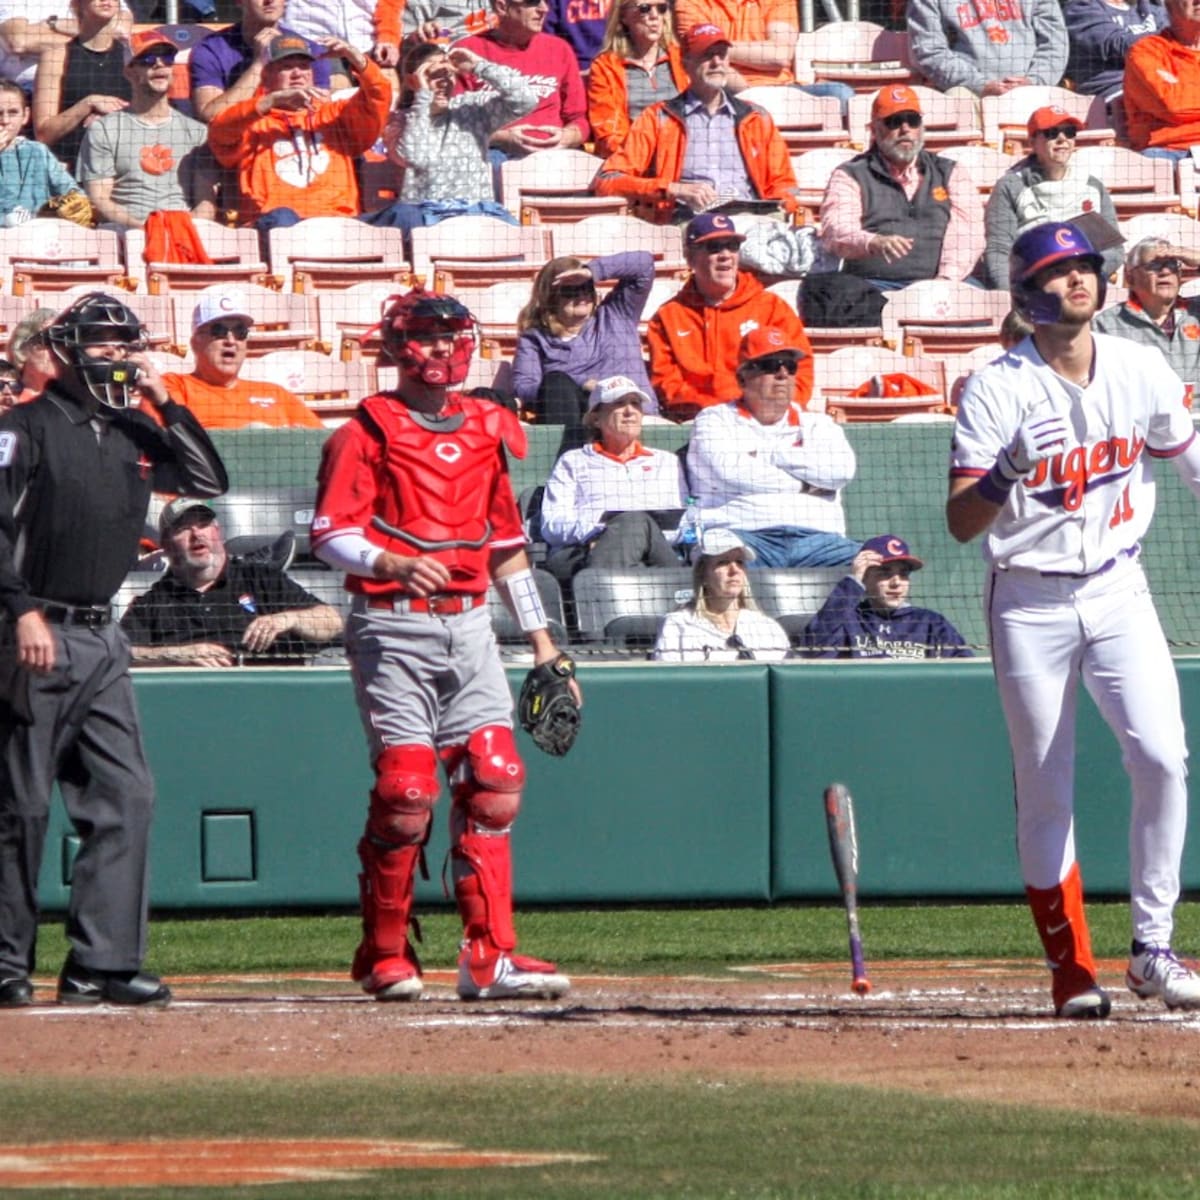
[(687, 784)]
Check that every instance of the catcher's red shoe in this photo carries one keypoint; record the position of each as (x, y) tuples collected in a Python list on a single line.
[(397, 978), (506, 976)]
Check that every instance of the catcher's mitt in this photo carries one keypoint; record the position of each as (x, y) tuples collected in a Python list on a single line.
[(74, 206), (547, 709)]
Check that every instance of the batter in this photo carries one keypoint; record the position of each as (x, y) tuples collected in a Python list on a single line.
[(1052, 461), (415, 504)]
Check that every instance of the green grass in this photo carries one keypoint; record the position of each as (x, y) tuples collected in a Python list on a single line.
[(674, 1137), (705, 1137), (635, 941)]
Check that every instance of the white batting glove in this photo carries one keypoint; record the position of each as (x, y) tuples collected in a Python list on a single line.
[(1037, 439)]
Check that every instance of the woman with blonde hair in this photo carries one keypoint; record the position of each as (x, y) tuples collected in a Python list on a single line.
[(639, 63), (721, 623), (568, 338)]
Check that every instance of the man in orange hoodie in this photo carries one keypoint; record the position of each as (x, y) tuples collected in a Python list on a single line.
[(695, 338), (702, 148), (1162, 86), (293, 147)]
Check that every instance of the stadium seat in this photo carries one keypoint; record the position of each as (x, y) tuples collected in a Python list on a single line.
[(1006, 117), (496, 308), (264, 511), (841, 372), (602, 596), (986, 164), (948, 120), (236, 255), (804, 122), (828, 337), (860, 53), (347, 317), (155, 312), (1136, 184), (329, 386), (552, 186), (48, 254), (599, 235), (13, 310), (942, 316), (661, 290), (282, 320), (335, 252), (812, 170), (476, 251)]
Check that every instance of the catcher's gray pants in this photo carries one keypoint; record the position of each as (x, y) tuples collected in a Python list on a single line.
[(78, 725), (422, 679)]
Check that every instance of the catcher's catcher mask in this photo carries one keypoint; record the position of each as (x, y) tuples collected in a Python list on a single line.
[(409, 321)]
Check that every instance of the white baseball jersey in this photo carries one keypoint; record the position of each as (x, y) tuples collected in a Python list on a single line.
[(747, 475), (587, 483), (1092, 501)]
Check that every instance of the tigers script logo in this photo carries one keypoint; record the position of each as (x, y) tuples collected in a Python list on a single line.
[(1082, 468)]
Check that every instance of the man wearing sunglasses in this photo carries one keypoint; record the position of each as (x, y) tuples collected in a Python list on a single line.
[(216, 396), (898, 213), (770, 470), (1154, 314), (148, 157)]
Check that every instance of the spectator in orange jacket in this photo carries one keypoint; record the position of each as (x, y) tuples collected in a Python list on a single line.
[(695, 338), (639, 63), (1162, 86), (679, 156), (295, 149)]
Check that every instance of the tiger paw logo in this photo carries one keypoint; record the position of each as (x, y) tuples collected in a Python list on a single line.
[(157, 159), (940, 195), (298, 163), (997, 34)]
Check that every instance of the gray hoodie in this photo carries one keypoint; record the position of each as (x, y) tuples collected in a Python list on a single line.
[(967, 43)]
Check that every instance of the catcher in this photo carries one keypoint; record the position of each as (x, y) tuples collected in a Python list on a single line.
[(415, 505)]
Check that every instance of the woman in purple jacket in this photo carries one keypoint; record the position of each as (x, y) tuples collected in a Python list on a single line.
[(569, 339)]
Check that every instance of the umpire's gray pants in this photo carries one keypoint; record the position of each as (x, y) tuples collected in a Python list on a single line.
[(77, 725)]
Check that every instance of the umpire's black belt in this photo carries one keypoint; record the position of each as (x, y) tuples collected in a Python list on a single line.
[(92, 615)]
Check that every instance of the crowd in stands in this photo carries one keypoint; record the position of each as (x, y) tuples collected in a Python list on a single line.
[(278, 115)]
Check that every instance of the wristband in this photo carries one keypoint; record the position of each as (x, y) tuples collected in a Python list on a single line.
[(526, 601), (995, 486)]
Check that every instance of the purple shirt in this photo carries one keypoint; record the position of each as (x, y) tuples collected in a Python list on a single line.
[(222, 58), (581, 24), (608, 343)]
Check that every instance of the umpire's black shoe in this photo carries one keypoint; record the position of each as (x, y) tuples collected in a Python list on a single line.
[(82, 985), (16, 992)]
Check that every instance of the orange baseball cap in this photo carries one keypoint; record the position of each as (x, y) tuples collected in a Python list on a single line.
[(891, 100), (759, 343), (1051, 117)]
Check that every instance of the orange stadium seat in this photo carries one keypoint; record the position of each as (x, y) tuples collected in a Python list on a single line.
[(812, 170), (860, 53), (346, 318), (551, 186), (843, 371), (332, 252), (1136, 184), (804, 122), (941, 316), (475, 251), (235, 253), (986, 164), (155, 312), (48, 254), (600, 235)]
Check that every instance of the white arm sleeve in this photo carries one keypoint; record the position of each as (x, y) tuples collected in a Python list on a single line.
[(349, 552)]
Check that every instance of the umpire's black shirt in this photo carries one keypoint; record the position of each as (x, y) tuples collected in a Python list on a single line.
[(74, 489)]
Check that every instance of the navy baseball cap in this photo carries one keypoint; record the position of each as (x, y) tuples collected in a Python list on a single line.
[(892, 549), (708, 227)]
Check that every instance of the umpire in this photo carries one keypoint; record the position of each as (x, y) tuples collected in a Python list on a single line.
[(77, 466)]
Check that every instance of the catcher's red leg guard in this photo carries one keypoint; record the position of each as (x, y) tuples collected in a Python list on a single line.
[(402, 800), (487, 796), (1062, 926)]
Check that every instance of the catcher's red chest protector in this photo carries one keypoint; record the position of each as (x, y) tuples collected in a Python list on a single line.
[(437, 482)]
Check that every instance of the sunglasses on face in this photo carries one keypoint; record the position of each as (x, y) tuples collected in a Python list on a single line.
[(1157, 265), (219, 329), (644, 10), (913, 120), (157, 59), (576, 291), (10, 385), (529, 3), (1067, 131), (771, 365), (721, 247)]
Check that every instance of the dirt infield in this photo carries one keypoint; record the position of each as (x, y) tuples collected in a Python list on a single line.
[(954, 1029)]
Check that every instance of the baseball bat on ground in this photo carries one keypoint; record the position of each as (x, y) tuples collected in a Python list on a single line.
[(843, 846)]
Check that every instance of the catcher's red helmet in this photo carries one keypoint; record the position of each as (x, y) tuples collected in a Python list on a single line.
[(415, 316)]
